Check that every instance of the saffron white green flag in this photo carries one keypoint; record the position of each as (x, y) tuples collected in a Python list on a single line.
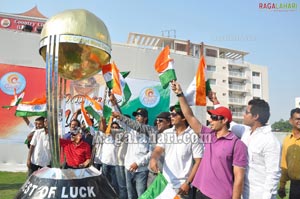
[(199, 87), (94, 113), (190, 95), (116, 82), (92, 107), (159, 189), (94, 110), (36, 107), (164, 67)]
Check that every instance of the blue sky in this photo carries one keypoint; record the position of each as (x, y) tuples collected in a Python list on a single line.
[(272, 38)]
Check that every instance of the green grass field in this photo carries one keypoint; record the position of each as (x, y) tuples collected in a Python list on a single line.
[(10, 183)]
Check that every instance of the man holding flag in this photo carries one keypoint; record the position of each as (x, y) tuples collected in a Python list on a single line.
[(138, 152), (225, 156), (137, 158)]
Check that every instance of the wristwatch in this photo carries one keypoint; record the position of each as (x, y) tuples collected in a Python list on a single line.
[(188, 183), (179, 94)]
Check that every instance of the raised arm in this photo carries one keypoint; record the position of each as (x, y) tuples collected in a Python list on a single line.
[(26, 120), (186, 109), (135, 125)]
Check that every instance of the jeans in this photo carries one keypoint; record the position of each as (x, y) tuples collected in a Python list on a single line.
[(136, 183), (200, 195), (121, 179), (295, 189), (109, 172)]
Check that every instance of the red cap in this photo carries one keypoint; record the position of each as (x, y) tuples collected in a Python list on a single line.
[(223, 111)]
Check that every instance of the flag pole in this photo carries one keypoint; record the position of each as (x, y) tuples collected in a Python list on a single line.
[(201, 49)]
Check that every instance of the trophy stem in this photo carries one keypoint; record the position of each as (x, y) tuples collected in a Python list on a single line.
[(55, 88)]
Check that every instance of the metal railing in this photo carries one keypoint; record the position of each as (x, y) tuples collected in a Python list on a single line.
[(237, 114), (237, 74), (237, 87), (237, 100)]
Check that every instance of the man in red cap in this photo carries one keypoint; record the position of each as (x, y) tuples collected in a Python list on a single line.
[(225, 155)]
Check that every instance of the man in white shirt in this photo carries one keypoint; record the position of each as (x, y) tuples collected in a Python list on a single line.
[(108, 156), (39, 123), (39, 152), (263, 171), (182, 150)]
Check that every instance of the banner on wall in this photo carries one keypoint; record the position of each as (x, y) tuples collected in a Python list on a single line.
[(145, 93), (21, 79)]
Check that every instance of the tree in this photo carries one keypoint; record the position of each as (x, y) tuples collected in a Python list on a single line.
[(281, 126)]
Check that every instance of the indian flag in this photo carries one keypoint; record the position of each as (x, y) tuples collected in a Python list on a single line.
[(164, 67), (116, 82), (93, 108), (36, 107), (199, 87), (160, 189), (107, 111)]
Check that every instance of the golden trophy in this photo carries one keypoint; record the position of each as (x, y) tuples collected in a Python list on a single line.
[(75, 44)]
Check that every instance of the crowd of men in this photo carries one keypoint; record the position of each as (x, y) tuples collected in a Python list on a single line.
[(223, 161)]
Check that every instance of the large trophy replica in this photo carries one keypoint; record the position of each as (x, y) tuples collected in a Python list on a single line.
[(75, 44)]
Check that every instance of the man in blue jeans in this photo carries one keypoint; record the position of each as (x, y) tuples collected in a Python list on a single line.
[(137, 158)]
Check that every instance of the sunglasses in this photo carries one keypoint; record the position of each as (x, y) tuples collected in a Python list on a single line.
[(173, 114), (159, 120), (73, 134), (216, 117)]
